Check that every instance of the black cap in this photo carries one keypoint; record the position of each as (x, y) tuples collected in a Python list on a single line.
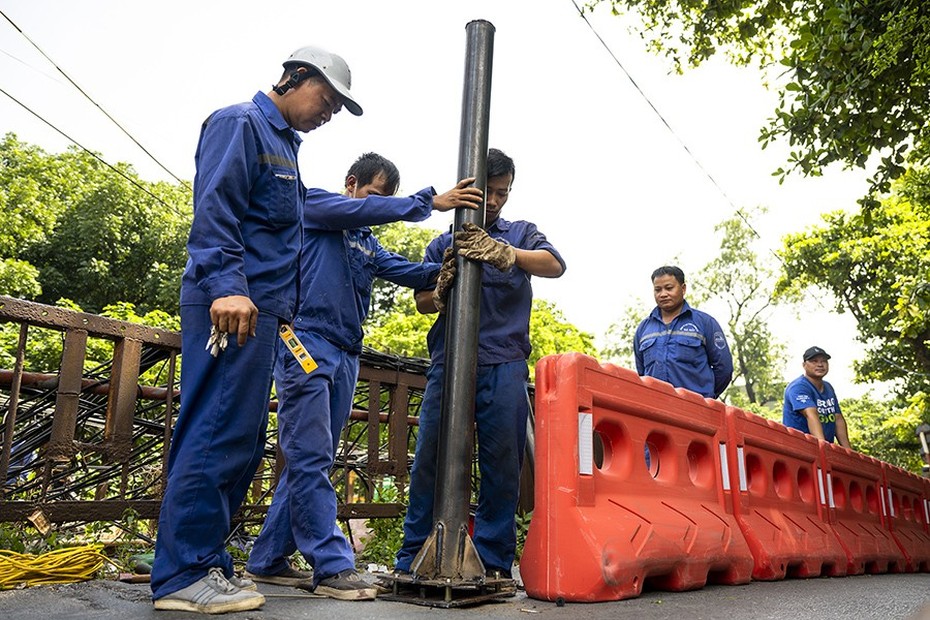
[(814, 352)]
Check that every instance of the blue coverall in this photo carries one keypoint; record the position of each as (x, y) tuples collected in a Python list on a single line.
[(501, 405), (244, 240), (339, 262), (691, 352)]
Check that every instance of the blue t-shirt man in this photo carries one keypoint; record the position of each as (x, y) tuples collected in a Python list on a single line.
[(679, 344), (811, 404)]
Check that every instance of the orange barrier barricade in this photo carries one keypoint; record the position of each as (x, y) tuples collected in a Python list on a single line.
[(856, 509), (628, 487), (776, 485), (906, 517)]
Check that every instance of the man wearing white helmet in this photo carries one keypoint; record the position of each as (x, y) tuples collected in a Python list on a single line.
[(238, 286)]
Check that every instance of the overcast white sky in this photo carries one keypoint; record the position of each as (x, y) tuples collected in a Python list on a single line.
[(597, 170)]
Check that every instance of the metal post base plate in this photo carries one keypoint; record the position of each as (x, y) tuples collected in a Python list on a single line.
[(447, 593)]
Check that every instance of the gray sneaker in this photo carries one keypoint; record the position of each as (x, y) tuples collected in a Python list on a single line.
[(243, 583), (347, 586), (288, 577), (213, 594)]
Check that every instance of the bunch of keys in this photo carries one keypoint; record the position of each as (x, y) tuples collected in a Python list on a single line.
[(216, 342)]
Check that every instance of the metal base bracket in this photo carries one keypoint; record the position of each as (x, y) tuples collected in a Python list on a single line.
[(447, 593)]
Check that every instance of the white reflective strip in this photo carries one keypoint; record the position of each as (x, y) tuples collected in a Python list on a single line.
[(927, 511), (724, 468), (881, 494), (585, 444), (823, 499), (891, 503), (742, 468), (830, 489)]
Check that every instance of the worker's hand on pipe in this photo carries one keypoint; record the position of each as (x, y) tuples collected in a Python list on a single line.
[(445, 280), (459, 196), (473, 242)]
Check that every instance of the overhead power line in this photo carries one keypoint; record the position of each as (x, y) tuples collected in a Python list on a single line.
[(97, 105), (93, 154), (739, 212)]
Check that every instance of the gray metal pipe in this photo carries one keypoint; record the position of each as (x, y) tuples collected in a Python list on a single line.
[(448, 552)]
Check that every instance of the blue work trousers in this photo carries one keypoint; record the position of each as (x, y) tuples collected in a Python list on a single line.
[(501, 409), (216, 448), (312, 411)]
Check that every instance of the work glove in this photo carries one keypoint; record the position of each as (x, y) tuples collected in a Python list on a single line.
[(445, 280), (474, 242)]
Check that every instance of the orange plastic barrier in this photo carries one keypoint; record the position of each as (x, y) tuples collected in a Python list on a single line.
[(856, 511), (776, 485), (906, 517), (606, 521)]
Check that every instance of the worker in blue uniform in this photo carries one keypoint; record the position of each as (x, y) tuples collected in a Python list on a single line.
[(340, 260), (512, 252), (238, 285), (680, 344)]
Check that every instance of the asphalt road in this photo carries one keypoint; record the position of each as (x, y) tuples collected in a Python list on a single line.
[(878, 597)]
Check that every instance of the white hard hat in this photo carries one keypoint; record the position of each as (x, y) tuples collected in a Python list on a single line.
[(333, 69)]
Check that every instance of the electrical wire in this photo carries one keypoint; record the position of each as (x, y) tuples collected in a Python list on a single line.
[(170, 207), (66, 565), (97, 105), (739, 212)]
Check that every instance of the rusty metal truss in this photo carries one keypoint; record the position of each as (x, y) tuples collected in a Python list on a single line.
[(87, 441)]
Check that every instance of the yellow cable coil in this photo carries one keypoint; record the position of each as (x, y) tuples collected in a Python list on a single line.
[(65, 565)]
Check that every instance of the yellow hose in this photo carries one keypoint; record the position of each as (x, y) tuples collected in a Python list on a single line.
[(60, 566)]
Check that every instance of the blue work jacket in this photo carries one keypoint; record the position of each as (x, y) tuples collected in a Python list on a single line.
[(691, 352), (245, 235), (506, 298), (341, 258)]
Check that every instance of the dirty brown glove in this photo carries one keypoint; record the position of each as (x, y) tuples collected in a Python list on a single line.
[(474, 242), (445, 280)]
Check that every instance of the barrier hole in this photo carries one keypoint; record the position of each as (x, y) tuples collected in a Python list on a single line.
[(651, 455), (896, 504), (610, 448), (781, 477), (598, 449), (871, 499), (658, 453), (700, 465), (839, 494), (756, 480), (907, 509), (855, 496), (806, 485)]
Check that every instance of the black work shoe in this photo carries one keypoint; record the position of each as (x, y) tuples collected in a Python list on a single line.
[(288, 577), (347, 586)]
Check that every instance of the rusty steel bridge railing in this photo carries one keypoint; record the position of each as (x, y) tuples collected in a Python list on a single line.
[(89, 439)]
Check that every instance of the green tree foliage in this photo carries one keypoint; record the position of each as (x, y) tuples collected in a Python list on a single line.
[(885, 429), (408, 241), (618, 347), (858, 71), (71, 227), (876, 267), (551, 333), (402, 331), (744, 281)]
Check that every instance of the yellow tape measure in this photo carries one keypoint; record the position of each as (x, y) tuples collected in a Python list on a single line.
[(297, 348)]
